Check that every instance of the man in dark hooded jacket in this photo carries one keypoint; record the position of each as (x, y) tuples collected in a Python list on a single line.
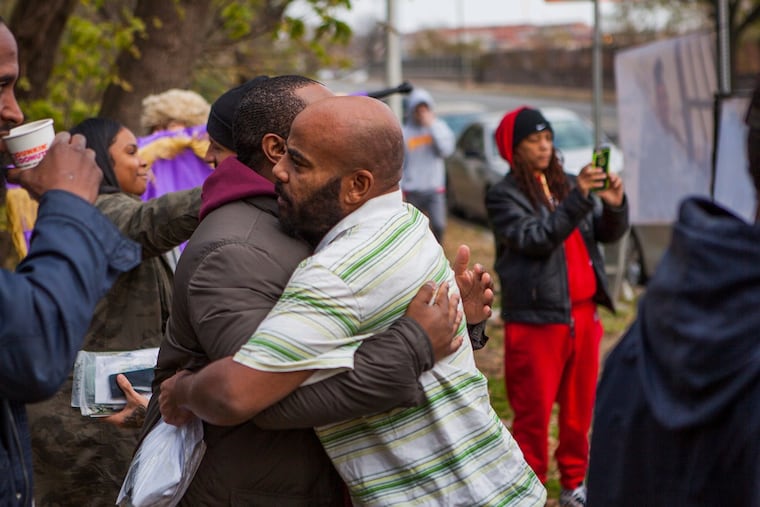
[(677, 419), (47, 303)]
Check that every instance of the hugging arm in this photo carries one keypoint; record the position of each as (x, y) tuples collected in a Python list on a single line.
[(386, 369)]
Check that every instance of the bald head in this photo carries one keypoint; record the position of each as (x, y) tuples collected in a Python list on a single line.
[(341, 152), (361, 132)]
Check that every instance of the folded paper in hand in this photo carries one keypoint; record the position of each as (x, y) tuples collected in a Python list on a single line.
[(91, 392)]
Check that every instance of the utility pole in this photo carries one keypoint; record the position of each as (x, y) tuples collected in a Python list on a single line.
[(393, 61), (724, 52), (596, 66), (596, 70), (464, 67)]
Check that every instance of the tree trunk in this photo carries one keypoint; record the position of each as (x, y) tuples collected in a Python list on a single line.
[(38, 26), (161, 60)]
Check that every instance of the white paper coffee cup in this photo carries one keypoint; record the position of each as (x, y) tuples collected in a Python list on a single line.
[(29, 142)]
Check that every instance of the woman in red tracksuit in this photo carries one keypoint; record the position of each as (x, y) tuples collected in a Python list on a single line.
[(546, 225)]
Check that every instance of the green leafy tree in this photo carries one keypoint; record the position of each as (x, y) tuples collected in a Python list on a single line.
[(84, 57), (81, 58), (72, 89)]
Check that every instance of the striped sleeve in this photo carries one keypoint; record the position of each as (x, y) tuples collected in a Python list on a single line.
[(314, 326)]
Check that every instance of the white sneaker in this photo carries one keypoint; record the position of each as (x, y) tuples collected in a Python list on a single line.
[(573, 497)]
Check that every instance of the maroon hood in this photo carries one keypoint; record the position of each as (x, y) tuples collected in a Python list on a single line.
[(231, 181)]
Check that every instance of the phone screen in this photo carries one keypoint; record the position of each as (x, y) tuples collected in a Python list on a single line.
[(601, 159), (141, 381)]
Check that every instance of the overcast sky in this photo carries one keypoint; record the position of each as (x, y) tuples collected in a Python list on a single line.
[(418, 14)]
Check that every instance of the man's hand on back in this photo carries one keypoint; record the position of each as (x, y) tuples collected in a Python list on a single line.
[(475, 286), (438, 315)]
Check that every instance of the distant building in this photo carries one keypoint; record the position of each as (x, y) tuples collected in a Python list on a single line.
[(504, 38)]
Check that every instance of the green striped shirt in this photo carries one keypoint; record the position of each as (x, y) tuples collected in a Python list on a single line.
[(452, 450)]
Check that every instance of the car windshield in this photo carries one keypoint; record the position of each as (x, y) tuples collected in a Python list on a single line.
[(457, 122), (571, 135)]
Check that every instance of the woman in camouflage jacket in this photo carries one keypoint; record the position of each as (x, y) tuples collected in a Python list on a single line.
[(79, 461)]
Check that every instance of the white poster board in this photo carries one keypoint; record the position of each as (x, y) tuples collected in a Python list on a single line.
[(665, 93)]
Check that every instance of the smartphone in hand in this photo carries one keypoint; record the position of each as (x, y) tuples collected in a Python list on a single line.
[(601, 158), (141, 381)]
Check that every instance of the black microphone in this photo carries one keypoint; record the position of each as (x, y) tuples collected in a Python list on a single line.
[(404, 87)]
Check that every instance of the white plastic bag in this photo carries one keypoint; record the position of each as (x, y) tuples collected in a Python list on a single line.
[(163, 466)]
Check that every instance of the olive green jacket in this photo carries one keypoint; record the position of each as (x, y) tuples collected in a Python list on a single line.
[(134, 312), (79, 460)]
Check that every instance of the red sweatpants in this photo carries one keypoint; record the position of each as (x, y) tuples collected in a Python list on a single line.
[(548, 363)]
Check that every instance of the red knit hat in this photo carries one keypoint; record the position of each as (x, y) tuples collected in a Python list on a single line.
[(516, 126)]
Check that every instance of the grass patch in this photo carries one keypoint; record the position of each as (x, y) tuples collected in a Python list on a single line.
[(497, 390), (553, 487), (617, 323)]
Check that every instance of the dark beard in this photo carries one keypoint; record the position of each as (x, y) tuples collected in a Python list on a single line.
[(315, 216)]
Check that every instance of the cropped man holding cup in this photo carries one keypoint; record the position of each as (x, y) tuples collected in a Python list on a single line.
[(26, 146), (46, 304)]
